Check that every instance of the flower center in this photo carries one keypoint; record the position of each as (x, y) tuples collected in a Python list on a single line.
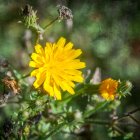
[(50, 67)]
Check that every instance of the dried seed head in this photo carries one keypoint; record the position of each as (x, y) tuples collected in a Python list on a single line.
[(11, 85), (64, 12)]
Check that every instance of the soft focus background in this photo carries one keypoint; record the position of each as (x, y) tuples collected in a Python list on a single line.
[(108, 32)]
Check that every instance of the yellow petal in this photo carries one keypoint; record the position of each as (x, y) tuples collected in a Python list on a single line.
[(34, 72), (48, 88), (75, 53), (68, 46), (48, 48), (78, 79), (61, 42), (68, 88), (73, 72), (33, 64), (105, 95), (112, 97), (57, 93), (40, 78), (47, 85), (71, 83), (76, 65), (39, 49), (37, 58)]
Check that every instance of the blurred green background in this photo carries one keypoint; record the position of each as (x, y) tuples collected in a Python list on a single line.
[(108, 32)]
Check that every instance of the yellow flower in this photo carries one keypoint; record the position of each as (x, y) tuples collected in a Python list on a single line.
[(108, 89), (56, 67)]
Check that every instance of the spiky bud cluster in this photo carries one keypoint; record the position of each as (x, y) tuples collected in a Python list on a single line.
[(29, 19)]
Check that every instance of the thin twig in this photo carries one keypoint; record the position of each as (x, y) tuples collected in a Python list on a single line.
[(118, 130), (133, 111), (134, 119), (98, 122), (128, 114), (127, 124)]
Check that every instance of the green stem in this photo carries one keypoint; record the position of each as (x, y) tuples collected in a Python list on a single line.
[(51, 23), (25, 76), (68, 99), (97, 108)]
